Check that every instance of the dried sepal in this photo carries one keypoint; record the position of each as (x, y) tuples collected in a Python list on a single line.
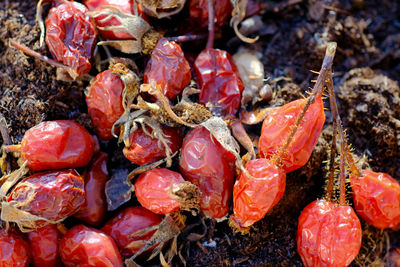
[(162, 8), (188, 196), (39, 20), (255, 116), (238, 14), (241, 135), (8, 181)]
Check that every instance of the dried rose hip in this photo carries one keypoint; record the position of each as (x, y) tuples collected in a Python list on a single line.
[(57, 145), (328, 234), (144, 150), (14, 250), (104, 102), (168, 68), (198, 10), (52, 195), (94, 209), (376, 197), (163, 191), (253, 198), (71, 36), (278, 124), (205, 163), (85, 246), (219, 81), (126, 223), (44, 246)]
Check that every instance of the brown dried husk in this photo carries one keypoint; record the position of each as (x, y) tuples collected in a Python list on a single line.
[(162, 8)]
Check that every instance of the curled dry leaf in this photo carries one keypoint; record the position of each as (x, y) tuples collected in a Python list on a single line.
[(238, 14), (162, 8)]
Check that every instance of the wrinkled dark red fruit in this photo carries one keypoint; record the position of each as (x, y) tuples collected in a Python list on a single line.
[(144, 150), (53, 195), (253, 198), (154, 190), (328, 234), (57, 145), (14, 250), (278, 124), (198, 10), (126, 6), (127, 222), (94, 209), (376, 197), (104, 102), (205, 163), (219, 81), (44, 246), (71, 36), (85, 246), (168, 68)]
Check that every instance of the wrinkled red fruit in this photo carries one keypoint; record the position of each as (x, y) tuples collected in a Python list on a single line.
[(328, 234), (219, 81), (94, 209), (154, 190), (71, 36), (57, 145), (44, 246), (144, 150), (53, 195), (253, 198), (104, 102), (205, 163), (278, 124), (168, 68), (127, 222), (14, 250), (198, 10), (126, 6), (85, 246), (376, 197)]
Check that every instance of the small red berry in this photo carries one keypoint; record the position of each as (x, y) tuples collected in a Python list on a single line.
[(44, 246), (14, 250)]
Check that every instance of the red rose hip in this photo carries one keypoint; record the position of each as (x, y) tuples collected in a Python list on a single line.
[(44, 246), (14, 250)]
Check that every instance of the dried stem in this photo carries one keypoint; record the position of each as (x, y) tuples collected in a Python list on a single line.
[(211, 24), (325, 69), (12, 148), (241, 135), (332, 163), (6, 141), (187, 38)]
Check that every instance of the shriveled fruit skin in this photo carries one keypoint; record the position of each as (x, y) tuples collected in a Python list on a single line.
[(328, 234), (53, 195), (44, 246), (104, 102), (376, 197), (127, 222), (205, 163), (198, 10), (143, 149), (86, 246), (57, 144), (253, 198), (71, 36), (278, 124), (168, 68), (219, 81), (94, 209), (14, 250), (154, 190)]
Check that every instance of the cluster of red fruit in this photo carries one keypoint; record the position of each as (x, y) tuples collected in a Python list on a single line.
[(329, 233)]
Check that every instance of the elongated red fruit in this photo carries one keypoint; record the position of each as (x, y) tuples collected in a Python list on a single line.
[(14, 250), (44, 246)]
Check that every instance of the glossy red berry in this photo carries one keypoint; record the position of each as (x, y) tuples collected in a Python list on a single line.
[(85, 246), (168, 68), (218, 78), (44, 246), (198, 10), (104, 102), (278, 124), (126, 223), (57, 145), (53, 195), (14, 250), (155, 189), (328, 234), (94, 209), (205, 163), (71, 36), (376, 197), (143, 149), (253, 198)]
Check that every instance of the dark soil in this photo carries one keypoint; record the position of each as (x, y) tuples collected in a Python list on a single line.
[(292, 42)]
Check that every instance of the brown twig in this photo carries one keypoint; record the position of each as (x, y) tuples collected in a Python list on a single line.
[(211, 24)]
